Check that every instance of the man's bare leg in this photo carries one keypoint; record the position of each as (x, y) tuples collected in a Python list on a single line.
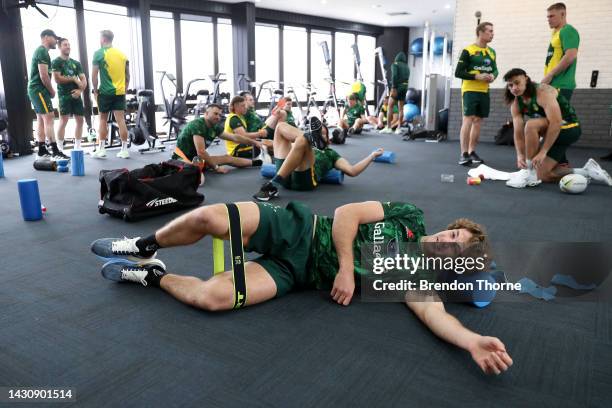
[(474, 134), (217, 293), (61, 129), (300, 158), (284, 136)]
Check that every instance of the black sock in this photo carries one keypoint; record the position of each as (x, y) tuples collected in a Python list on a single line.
[(154, 276), (277, 181), (257, 163), (147, 246), (42, 148)]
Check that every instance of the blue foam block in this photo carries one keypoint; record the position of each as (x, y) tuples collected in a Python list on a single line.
[(386, 157), (333, 176), (29, 198), (62, 169), (1, 166), (62, 162), (77, 163)]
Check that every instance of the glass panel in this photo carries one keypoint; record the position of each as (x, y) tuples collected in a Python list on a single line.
[(295, 41), (198, 53), (318, 69), (266, 53), (226, 54), (367, 45), (344, 63), (61, 20), (164, 57)]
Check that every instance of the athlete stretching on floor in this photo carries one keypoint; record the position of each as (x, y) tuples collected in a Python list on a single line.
[(539, 110), (300, 166), (301, 251)]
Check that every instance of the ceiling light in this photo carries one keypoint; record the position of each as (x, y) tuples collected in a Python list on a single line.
[(447, 6), (323, 1)]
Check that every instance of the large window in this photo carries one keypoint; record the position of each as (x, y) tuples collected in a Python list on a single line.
[(198, 51), (318, 68), (295, 64), (162, 40), (226, 53), (266, 53), (62, 20), (345, 65), (100, 17), (367, 45)]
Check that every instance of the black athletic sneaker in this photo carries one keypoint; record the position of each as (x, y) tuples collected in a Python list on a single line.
[(43, 153), (58, 155), (475, 158), (266, 192), (465, 160), (351, 131), (314, 135)]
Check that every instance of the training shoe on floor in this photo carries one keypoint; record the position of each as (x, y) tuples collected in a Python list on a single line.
[(386, 130), (123, 154), (475, 158), (465, 160), (266, 192), (597, 173), (399, 131), (126, 271), (99, 154), (525, 178), (113, 248), (58, 155)]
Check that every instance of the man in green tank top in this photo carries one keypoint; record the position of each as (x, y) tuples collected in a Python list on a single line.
[(562, 56), (539, 110), (300, 250)]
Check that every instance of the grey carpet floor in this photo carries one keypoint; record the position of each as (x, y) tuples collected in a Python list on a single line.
[(62, 324)]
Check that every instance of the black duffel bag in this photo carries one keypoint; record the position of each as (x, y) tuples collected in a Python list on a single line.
[(152, 190), (505, 135)]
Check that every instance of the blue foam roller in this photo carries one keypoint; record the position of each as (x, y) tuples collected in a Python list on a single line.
[(77, 163), (268, 170), (333, 176), (62, 163), (1, 166), (386, 157), (62, 169), (30, 199)]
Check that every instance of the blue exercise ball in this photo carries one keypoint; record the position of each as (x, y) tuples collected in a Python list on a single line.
[(410, 111), (416, 47)]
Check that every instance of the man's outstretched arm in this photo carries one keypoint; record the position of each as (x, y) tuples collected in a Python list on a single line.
[(489, 353), (356, 169)]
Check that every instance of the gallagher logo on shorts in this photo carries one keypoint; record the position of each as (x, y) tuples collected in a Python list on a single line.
[(158, 202)]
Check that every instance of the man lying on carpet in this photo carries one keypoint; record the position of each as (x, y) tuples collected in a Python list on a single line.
[(300, 250), (303, 159)]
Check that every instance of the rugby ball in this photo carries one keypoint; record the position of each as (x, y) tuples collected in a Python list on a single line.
[(573, 183)]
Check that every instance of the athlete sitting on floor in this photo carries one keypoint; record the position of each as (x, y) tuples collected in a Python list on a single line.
[(381, 121), (548, 115), (255, 123), (195, 138), (299, 250), (353, 117), (300, 166)]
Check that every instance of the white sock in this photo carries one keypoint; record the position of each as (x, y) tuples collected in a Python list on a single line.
[(124, 146), (60, 145), (581, 171), (77, 144), (101, 145)]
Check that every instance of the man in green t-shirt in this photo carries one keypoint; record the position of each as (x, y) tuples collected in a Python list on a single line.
[(198, 134), (300, 250), (40, 92), (400, 74), (300, 166), (71, 83), (562, 56), (255, 123), (113, 67), (353, 117)]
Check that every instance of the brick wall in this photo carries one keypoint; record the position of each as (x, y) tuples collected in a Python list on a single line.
[(521, 40)]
